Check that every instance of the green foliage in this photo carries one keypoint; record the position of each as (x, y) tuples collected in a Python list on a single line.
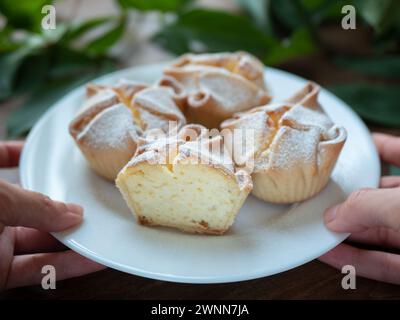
[(378, 104), (154, 5), (382, 15), (24, 14), (41, 66), (46, 94), (212, 31), (299, 44), (45, 64), (102, 44), (259, 10), (380, 66)]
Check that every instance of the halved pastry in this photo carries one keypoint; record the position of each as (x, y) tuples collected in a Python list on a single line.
[(293, 150), (109, 124), (185, 181), (212, 87)]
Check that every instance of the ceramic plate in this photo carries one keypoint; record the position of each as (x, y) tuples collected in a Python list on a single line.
[(265, 239)]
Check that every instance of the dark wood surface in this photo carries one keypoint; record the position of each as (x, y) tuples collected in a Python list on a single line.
[(313, 280)]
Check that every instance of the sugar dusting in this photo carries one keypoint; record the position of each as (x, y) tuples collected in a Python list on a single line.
[(299, 131), (292, 147), (110, 128), (233, 81)]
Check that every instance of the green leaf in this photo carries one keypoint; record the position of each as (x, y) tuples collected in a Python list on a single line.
[(31, 73), (326, 10), (376, 103), (6, 42), (101, 44), (9, 65), (202, 30), (259, 11), (67, 62), (154, 5), (22, 119), (25, 14), (289, 13), (11, 61), (77, 30), (299, 44), (381, 66), (381, 15)]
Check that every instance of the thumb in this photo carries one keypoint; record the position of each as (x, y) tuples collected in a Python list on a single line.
[(364, 209), (19, 207)]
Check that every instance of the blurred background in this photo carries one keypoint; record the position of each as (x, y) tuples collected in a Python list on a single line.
[(93, 37)]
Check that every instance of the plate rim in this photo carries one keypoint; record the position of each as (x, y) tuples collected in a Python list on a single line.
[(71, 244)]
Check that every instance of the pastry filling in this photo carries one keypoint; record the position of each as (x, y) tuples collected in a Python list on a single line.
[(193, 198)]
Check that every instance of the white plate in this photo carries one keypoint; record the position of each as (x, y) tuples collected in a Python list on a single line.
[(265, 239)]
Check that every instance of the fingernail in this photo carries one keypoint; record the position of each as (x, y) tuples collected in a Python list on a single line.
[(74, 208), (330, 214)]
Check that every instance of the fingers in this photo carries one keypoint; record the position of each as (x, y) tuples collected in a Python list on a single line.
[(364, 209), (383, 237), (6, 254), (381, 266), (29, 240), (390, 182), (19, 207), (388, 148), (27, 269), (10, 152)]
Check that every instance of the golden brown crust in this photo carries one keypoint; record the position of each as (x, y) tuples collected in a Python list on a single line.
[(108, 162), (201, 228), (109, 124), (295, 148), (96, 102), (212, 87), (307, 96), (241, 63)]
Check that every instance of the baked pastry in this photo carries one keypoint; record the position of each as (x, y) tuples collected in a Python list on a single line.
[(186, 176), (212, 87), (293, 149), (112, 119), (186, 181)]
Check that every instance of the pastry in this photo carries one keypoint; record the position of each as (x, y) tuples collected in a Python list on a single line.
[(189, 177), (241, 63), (112, 119), (185, 181), (293, 150), (212, 87)]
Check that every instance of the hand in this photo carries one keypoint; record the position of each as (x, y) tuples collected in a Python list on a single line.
[(372, 216), (25, 219)]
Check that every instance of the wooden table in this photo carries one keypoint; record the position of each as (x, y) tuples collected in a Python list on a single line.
[(313, 280)]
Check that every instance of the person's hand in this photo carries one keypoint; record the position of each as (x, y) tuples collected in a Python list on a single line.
[(25, 219), (372, 216)]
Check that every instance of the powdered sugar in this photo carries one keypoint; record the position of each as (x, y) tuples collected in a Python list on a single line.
[(110, 128), (302, 118), (292, 147), (215, 86)]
